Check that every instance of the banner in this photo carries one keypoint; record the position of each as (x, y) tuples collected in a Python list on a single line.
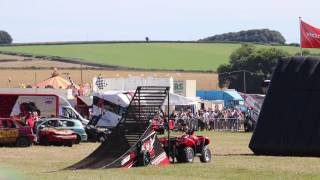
[(309, 36)]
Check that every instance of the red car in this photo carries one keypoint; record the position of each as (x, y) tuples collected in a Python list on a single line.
[(184, 148), (15, 133), (50, 134)]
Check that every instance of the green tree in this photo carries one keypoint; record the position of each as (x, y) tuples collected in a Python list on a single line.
[(5, 38), (258, 64), (265, 36)]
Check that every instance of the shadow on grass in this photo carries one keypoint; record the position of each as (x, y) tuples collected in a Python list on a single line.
[(236, 154)]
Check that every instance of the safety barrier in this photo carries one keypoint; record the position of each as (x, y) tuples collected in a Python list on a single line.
[(217, 124)]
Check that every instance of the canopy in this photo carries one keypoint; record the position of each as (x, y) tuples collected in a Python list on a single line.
[(117, 97), (176, 100), (87, 100), (57, 82), (234, 95), (226, 95)]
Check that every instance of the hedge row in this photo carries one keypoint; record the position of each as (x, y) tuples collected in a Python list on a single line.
[(93, 65)]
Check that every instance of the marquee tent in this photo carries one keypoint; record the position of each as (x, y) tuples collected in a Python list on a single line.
[(57, 82)]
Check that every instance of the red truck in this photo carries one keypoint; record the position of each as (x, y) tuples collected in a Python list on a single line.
[(15, 133)]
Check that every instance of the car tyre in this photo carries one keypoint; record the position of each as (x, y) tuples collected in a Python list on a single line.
[(69, 143), (102, 138), (205, 155), (44, 141), (23, 142), (78, 140)]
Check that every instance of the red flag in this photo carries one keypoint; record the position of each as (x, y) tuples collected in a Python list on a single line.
[(309, 36)]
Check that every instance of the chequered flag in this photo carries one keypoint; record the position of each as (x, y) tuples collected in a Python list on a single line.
[(101, 83)]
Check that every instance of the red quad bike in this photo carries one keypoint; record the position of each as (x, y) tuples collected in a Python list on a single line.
[(15, 133), (49, 135), (187, 146)]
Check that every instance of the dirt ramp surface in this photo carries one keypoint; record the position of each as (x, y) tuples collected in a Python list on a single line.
[(106, 153), (289, 120)]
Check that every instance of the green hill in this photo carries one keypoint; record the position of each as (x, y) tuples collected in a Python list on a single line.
[(170, 56)]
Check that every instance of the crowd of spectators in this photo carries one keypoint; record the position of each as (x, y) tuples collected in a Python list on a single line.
[(228, 119)]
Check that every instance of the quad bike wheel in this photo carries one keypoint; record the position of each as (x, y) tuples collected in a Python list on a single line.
[(186, 155), (205, 155), (23, 142)]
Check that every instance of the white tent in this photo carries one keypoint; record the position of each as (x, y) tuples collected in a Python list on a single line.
[(117, 97), (123, 98), (132, 82), (177, 100)]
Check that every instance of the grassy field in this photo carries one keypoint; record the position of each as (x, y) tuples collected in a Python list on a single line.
[(169, 56), (232, 160)]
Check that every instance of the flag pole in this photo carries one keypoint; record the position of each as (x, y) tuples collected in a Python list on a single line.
[(300, 36)]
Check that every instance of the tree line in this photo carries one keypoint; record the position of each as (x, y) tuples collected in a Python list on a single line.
[(264, 36), (258, 63)]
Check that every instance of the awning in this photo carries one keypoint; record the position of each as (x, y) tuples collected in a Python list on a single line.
[(56, 82), (87, 100), (235, 95), (176, 100)]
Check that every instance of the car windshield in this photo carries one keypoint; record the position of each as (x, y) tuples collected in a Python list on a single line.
[(67, 123), (67, 112), (53, 123)]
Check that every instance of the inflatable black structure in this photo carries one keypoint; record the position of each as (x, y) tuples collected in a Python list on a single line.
[(289, 121)]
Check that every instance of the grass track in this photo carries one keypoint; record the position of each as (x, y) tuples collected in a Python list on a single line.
[(169, 56), (232, 160)]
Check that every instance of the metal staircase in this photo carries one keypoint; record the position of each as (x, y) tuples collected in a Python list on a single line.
[(145, 104)]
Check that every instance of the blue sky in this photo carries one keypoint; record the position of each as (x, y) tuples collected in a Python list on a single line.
[(77, 20)]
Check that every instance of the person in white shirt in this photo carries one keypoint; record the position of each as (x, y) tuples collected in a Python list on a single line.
[(206, 119)]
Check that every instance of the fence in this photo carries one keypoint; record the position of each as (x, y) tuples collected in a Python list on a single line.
[(217, 124)]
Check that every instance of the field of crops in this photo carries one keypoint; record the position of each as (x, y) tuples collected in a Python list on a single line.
[(232, 160), (169, 56)]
